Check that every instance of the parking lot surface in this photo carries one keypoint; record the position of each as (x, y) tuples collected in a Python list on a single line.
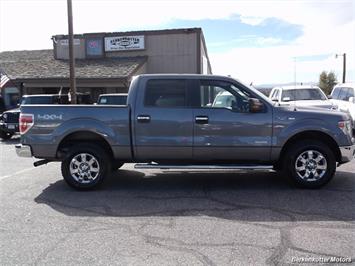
[(171, 217)]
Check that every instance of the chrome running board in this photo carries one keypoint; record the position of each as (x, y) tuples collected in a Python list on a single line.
[(202, 167)]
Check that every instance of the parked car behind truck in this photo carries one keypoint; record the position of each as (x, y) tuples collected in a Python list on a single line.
[(170, 122), (301, 95), (343, 95), (9, 120)]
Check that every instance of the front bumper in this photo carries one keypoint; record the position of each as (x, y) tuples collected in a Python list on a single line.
[(347, 153), (23, 150)]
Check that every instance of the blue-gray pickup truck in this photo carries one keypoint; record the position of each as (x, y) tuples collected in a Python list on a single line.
[(187, 122)]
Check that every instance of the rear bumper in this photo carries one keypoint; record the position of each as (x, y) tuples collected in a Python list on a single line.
[(9, 127), (347, 153), (23, 150)]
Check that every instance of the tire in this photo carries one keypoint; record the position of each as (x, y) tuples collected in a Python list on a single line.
[(5, 135), (310, 164), (86, 166)]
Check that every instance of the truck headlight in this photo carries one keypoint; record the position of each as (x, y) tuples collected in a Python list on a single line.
[(4, 116), (345, 126)]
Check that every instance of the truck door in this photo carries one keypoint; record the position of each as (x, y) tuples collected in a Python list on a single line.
[(224, 128), (163, 127)]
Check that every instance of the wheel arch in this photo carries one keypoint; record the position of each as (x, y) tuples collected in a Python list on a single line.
[(312, 135), (82, 136)]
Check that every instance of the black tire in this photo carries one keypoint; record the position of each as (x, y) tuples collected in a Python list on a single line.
[(100, 166), (298, 153), (5, 135)]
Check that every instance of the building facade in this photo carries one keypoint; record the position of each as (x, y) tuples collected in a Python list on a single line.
[(106, 62)]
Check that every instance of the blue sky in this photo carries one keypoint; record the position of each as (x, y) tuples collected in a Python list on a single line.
[(269, 41), (224, 34)]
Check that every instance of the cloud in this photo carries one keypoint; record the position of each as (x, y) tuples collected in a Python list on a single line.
[(325, 27)]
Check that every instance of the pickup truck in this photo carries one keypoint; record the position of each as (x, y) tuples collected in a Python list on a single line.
[(171, 122)]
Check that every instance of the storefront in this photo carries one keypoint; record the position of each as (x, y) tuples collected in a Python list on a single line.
[(106, 62)]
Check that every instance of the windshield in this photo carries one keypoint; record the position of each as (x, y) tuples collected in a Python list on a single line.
[(37, 100), (115, 100), (303, 94)]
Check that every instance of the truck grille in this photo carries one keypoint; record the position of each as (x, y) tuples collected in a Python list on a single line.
[(12, 118)]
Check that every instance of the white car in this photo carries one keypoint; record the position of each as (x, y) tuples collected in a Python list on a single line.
[(301, 96), (343, 95)]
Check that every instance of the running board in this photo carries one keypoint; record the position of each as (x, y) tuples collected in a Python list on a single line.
[(201, 167)]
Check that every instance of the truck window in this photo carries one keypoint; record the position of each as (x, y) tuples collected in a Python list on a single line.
[(343, 95), (165, 93), (223, 95)]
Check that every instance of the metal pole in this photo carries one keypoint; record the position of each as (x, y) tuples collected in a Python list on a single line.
[(344, 66), (71, 54)]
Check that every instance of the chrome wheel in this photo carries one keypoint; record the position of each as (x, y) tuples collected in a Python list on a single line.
[(84, 168), (311, 165)]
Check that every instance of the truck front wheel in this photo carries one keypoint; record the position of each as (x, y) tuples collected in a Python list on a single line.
[(310, 164), (86, 166)]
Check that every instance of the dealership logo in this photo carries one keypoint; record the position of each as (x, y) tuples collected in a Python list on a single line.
[(124, 43)]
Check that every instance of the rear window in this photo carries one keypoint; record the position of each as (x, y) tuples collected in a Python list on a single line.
[(37, 100), (303, 94), (165, 93), (114, 100)]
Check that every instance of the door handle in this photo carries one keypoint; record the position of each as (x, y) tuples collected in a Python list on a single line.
[(201, 119), (143, 118)]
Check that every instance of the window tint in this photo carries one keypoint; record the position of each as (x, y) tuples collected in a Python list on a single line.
[(343, 95), (165, 93), (303, 94), (335, 93), (115, 100), (223, 95)]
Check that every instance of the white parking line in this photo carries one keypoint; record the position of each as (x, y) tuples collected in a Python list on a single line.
[(16, 173)]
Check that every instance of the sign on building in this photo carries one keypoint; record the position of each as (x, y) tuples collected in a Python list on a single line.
[(94, 47), (124, 43), (66, 42)]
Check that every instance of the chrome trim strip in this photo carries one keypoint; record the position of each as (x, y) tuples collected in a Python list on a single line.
[(213, 167)]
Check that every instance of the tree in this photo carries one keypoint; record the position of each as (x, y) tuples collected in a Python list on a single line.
[(327, 81)]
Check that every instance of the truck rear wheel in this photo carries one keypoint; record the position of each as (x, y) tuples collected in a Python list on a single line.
[(86, 166), (310, 164)]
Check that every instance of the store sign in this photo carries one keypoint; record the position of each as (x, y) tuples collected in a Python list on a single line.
[(124, 43), (65, 42), (94, 47)]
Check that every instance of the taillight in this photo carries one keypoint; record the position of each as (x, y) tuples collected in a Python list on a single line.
[(26, 121)]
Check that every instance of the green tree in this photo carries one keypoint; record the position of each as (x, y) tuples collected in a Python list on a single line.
[(327, 81)]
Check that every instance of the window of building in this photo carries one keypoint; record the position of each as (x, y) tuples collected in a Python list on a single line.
[(166, 93)]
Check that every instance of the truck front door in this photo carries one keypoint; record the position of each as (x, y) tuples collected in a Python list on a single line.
[(224, 128)]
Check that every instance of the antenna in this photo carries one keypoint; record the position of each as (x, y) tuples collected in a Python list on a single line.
[(295, 83)]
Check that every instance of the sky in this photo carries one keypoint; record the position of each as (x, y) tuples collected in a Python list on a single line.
[(260, 41)]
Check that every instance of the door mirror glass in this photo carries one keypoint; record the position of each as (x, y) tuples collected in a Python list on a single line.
[(286, 99), (255, 105)]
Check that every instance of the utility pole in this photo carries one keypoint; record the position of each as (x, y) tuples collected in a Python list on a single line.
[(71, 54), (344, 64)]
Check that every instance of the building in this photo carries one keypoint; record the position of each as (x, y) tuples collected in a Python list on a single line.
[(106, 62)]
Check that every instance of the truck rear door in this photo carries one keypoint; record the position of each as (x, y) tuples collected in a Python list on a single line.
[(163, 125)]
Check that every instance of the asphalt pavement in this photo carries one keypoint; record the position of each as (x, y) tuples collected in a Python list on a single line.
[(155, 217)]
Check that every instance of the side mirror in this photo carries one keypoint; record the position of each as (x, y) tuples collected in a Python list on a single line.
[(329, 96), (352, 99), (255, 105), (286, 99)]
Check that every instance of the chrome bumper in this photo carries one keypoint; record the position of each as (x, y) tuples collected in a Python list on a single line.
[(347, 153), (23, 150)]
